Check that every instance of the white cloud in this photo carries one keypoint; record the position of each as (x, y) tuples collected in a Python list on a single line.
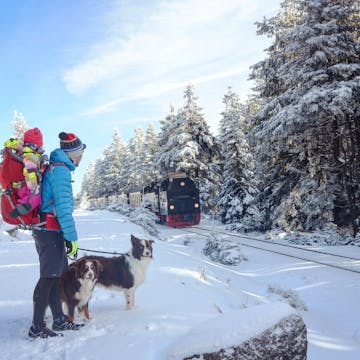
[(177, 42), (151, 90)]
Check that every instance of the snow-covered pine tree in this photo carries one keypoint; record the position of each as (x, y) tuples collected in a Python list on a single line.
[(165, 127), (200, 137), (135, 159), (88, 183), (238, 190), (115, 164), (191, 148), (151, 147), (125, 174), (167, 138), (100, 174), (269, 84), (120, 147), (308, 130), (19, 124), (111, 171)]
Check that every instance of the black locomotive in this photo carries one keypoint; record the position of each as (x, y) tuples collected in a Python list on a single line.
[(175, 200)]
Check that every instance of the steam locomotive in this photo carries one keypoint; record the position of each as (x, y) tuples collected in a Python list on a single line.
[(175, 200)]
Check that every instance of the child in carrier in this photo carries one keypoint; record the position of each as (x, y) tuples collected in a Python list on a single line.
[(31, 152)]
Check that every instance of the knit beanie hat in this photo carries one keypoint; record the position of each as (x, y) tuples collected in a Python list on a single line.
[(33, 136), (71, 144)]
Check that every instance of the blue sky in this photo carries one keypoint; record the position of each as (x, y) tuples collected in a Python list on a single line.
[(90, 66)]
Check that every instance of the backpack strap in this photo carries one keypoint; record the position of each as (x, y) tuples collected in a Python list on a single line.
[(15, 154), (51, 167), (56, 163)]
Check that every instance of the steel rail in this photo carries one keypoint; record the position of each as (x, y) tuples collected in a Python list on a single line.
[(280, 244), (278, 252)]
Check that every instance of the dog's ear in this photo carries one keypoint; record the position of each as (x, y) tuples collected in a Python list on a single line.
[(99, 266), (134, 239), (78, 268)]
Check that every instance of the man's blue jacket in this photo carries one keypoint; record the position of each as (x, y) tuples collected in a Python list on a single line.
[(57, 194)]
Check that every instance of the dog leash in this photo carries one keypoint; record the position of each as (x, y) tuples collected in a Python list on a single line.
[(102, 252)]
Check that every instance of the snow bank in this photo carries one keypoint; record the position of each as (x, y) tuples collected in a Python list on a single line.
[(238, 332)]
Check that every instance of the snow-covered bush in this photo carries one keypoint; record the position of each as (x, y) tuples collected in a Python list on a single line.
[(222, 250), (141, 216), (120, 207), (328, 237), (187, 240), (146, 219), (251, 221), (291, 297)]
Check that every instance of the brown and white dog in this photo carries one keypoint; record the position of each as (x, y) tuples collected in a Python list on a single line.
[(77, 284), (124, 272)]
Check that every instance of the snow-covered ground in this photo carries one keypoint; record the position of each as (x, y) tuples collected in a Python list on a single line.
[(183, 289)]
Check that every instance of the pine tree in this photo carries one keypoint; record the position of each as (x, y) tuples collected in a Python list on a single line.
[(100, 171), (127, 169), (188, 146), (117, 170), (201, 140), (19, 124), (114, 159), (167, 139), (151, 147), (110, 171), (166, 128), (238, 191), (135, 158), (120, 154), (307, 130), (88, 182)]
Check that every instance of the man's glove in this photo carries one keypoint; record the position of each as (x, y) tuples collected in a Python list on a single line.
[(71, 248)]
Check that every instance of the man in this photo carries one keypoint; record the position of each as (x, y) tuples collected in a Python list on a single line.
[(57, 238)]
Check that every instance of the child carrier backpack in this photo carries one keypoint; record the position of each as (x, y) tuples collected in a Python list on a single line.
[(11, 179)]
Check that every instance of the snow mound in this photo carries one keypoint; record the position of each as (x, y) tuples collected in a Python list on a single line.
[(273, 328)]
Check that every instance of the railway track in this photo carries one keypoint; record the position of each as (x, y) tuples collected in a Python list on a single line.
[(341, 262)]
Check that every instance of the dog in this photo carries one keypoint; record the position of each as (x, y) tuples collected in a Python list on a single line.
[(124, 272), (77, 284)]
